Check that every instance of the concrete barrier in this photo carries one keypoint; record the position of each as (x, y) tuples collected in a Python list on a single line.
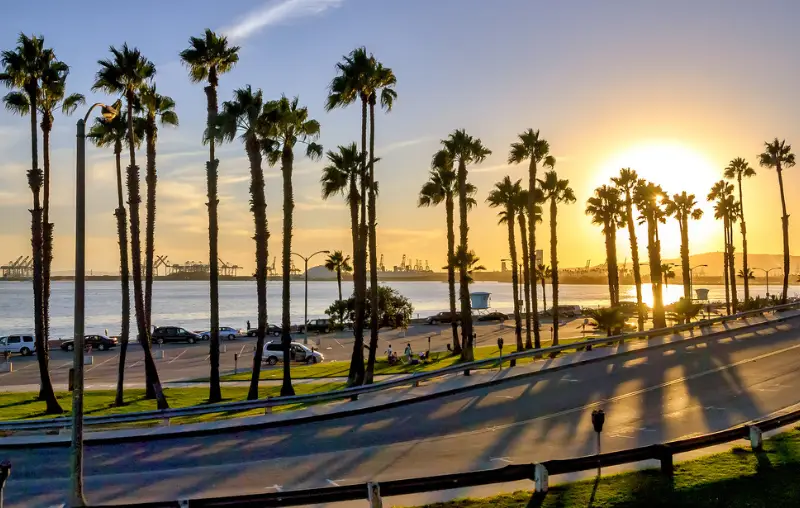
[(159, 354), (6, 367), (88, 360)]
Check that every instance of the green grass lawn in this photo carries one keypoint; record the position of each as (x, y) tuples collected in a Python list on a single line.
[(16, 406), (736, 479)]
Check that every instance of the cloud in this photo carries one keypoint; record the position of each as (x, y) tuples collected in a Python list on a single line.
[(488, 169), (275, 13), (398, 145)]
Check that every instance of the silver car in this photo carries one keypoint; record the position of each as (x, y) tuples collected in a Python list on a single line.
[(273, 353)]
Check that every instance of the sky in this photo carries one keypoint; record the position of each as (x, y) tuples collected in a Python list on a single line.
[(673, 89)]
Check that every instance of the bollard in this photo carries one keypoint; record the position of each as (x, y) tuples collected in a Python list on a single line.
[(667, 467), (268, 409), (235, 363), (5, 472), (756, 439), (466, 372), (165, 422), (71, 380), (223, 348), (88, 360), (6, 367), (541, 478), (374, 495)]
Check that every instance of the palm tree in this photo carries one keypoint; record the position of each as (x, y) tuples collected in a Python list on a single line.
[(544, 272), (725, 209), (285, 125), (737, 169), (609, 319), (750, 275), (127, 73), (506, 195), (683, 207), (115, 133), (556, 191), (649, 200), (667, 273), (338, 262), (529, 280), (606, 210), (464, 150), (626, 182), (157, 109), (352, 83), (244, 116), (206, 58), (24, 69), (537, 151), (778, 155), (441, 187)]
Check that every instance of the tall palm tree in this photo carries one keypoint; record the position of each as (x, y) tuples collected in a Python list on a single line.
[(536, 151), (338, 262), (778, 155), (726, 209), (506, 195), (441, 187), (464, 150), (244, 116), (649, 200), (684, 207), (352, 83), (626, 182), (667, 273), (115, 133), (206, 58), (544, 272), (556, 191), (737, 169), (157, 109), (126, 74), (529, 280), (607, 210), (23, 70), (287, 124)]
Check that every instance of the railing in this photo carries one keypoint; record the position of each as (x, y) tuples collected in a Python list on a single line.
[(537, 473), (354, 393)]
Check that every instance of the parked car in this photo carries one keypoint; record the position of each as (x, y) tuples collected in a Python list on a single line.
[(225, 332), (273, 353), (319, 325), (100, 342), (174, 334), (443, 317), (23, 345), (493, 316), (273, 330)]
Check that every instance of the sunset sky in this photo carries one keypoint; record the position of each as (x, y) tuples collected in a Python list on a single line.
[(672, 89)]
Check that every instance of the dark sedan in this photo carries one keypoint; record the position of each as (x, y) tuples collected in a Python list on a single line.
[(174, 334), (273, 330), (493, 316), (99, 342)]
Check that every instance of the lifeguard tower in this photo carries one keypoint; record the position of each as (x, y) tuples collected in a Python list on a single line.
[(480, 301)]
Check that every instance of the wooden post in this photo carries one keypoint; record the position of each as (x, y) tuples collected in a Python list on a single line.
[(667, 466), (756, 439), (374, 495), (541, 478)]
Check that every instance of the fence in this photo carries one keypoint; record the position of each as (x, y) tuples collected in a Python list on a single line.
[(56, 424)]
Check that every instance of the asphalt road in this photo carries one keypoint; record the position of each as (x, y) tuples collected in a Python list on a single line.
[(183, 362), (649, 397)]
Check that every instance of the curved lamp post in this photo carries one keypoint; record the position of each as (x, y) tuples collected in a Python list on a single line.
[(305, 316), (766, 273), (691, 277)]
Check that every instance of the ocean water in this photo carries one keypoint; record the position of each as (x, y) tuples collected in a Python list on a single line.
[(186, 303)]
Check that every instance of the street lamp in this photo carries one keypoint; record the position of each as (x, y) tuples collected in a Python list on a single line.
[(691, 277), (305, 317), (766, 273), (76, 451)]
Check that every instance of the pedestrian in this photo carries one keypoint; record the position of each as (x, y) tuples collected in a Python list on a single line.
[(408, 353), (248, 324)]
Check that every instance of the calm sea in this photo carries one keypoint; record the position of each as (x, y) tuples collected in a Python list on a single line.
[(187, 304)]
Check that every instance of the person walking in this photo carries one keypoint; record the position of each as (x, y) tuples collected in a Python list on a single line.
[(248, 325), (408, 353)]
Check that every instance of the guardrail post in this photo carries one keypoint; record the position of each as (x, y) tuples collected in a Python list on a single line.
[(665, 457), (756, 439), (183, 503), (268, 409), (373, 495), (466, 372), (5, 472), (541, 478), (165, 422)]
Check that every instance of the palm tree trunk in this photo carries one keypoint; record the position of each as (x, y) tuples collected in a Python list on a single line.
[(725, 268), (526, 276), (124, 279), (373, 252), (467, 353), (214, 390), (533, 262), (47, 230), (360, 260), (785, 224), (611, 297), (356, 374), (512, 248), (687, 281), (732, 268), (149, 242), (288, 211), (654, 251), (612, 263), (544, 295), (153, 384), (258, 205), (554, 266), (339, 280), (637, 273), (745, 269), (451, 270)]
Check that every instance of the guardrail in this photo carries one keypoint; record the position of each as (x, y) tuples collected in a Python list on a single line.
[(355, 392), (537, 473)]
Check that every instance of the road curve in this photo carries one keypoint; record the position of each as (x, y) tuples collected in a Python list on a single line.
[(649, 397)]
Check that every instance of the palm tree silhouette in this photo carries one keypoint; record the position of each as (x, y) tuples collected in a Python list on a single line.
[(544, 272), (649, 200), (607, 210), (737, 169), (726, 209), (683, 207), (626, 182), (337, 262), (528, 277)]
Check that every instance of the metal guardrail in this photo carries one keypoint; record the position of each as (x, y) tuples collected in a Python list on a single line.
[(353, 393), (538, 473)]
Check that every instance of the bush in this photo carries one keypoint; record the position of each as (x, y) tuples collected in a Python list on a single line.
[(394, 309)]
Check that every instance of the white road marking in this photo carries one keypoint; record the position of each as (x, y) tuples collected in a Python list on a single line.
[(331, 482), (570, 380), (621, 436), (134, 364), (504, 396), (337, 341), (102, 363), (500, 459), (713, 408), (278, 488), (179, 355), (65, 364)]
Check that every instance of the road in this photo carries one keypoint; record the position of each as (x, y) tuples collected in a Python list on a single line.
[(648, 397), (184, 362)]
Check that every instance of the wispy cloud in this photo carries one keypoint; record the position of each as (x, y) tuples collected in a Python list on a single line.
[(275, 13), (399, 145)]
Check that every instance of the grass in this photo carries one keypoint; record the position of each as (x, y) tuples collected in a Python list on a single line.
[(18, 406), (736, 479)]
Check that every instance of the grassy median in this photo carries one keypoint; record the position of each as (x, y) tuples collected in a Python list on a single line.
[(736, 479), (18, 406)]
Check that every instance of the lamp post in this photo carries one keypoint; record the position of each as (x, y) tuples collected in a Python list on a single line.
[(76, 446), (305, 315), (691, 278), (766, 273)]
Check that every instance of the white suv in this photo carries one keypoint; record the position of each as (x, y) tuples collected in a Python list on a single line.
[(18, 344)]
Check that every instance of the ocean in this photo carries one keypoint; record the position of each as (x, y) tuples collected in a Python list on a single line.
[(186, 303)]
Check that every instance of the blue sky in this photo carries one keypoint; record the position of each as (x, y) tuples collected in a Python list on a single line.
[(675, 89)]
